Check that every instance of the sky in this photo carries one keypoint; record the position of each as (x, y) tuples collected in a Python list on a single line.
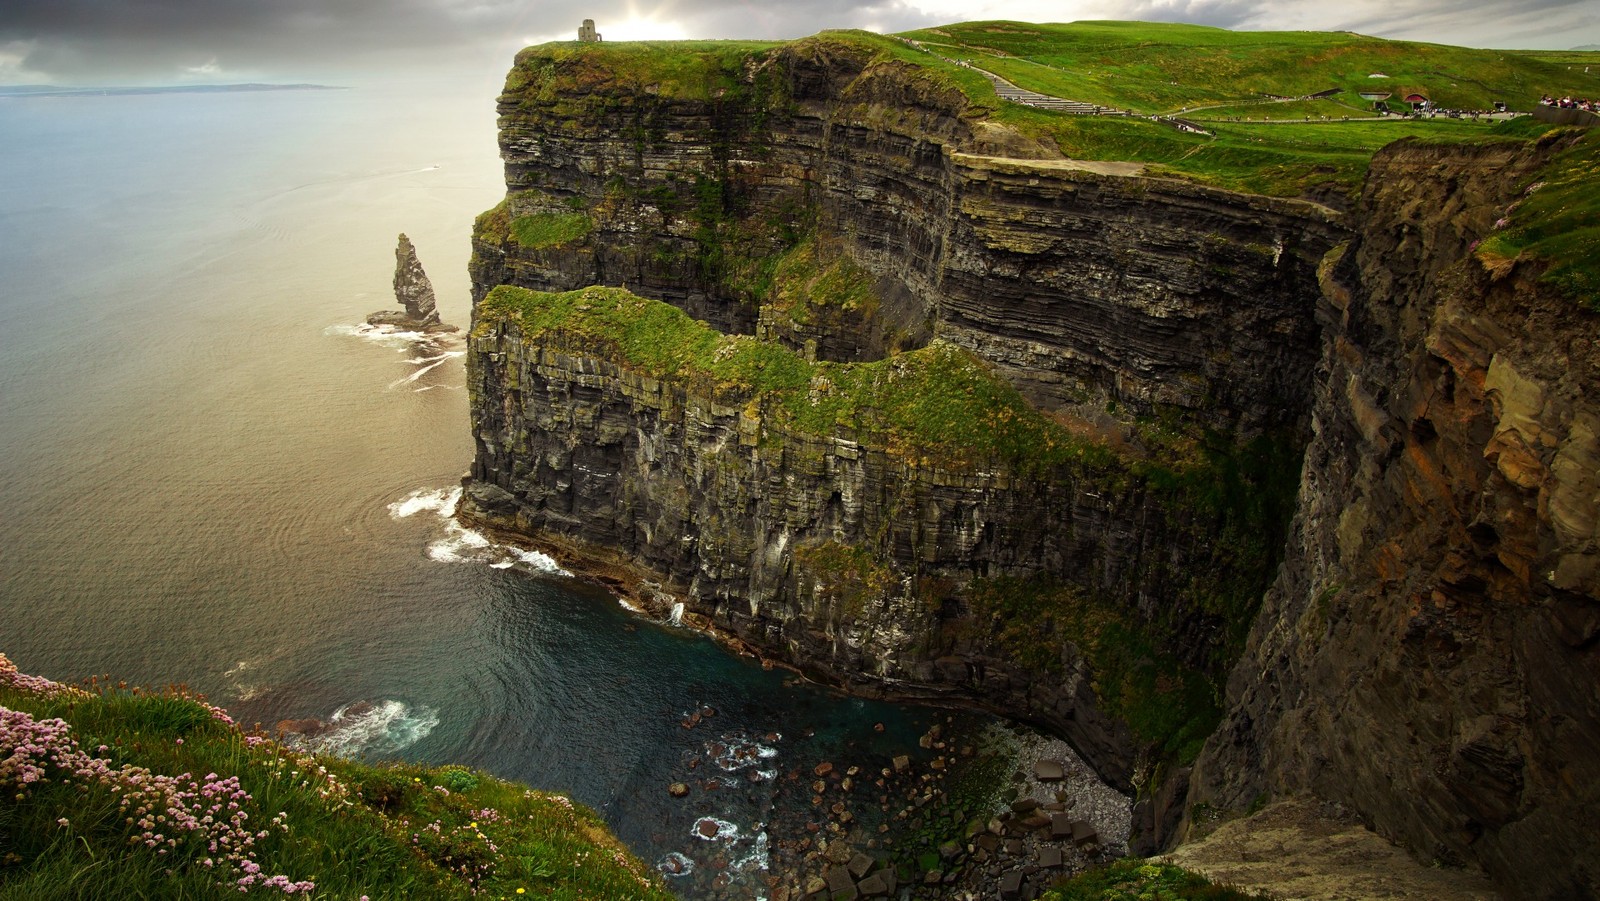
[(145, 42)]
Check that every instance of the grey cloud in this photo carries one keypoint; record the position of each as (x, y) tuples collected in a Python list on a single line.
[(84, 40), (158, 40)]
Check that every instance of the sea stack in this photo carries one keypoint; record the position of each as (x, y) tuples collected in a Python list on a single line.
[(415, 293)]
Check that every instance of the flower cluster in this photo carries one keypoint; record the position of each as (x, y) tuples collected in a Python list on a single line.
[(39, 685), (170, 815)]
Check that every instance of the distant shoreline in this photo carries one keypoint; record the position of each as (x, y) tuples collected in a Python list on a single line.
[(59, 91)]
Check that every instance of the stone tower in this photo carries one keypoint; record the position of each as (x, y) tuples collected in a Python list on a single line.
[(586, 32)]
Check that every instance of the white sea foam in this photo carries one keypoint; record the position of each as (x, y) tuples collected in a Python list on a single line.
[(432, 364), (756, 858), (442, 501), (675, 864), (362, 728), (726, 831), (463, 545), (387, 335), (236, 675), (736, 752)]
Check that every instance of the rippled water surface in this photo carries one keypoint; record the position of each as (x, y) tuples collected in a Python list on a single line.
[(209, 473)]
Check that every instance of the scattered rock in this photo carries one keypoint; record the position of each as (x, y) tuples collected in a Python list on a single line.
[(874, 886), (1083, 833), (1049, 857), (860, 865), (1049, 771), (678, 789), (841, 885), (1061, 826), (823, 769)]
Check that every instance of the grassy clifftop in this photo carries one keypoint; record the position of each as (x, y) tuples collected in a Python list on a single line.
[(1275, 103), (119, 793)]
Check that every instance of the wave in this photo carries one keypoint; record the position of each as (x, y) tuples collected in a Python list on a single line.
[(387, 335), (737, 752), (432, 363), (442, 501), (463, 545), (362, 727)]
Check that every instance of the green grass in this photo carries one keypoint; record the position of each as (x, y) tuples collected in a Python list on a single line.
[(691, 70), (1558, 221), (1158, 68), (537, 231), (354, 829), (1139, 880), (935, 406)]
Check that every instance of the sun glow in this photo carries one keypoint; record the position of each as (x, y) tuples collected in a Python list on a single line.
[(642, 28)]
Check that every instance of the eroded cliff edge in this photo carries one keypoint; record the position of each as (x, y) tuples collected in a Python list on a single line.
[(1428, 655), (858, 228)]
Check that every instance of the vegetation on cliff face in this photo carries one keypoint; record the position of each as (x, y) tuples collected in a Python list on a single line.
[(1557, 220), (114, 792), (934, 406), (537, 231)]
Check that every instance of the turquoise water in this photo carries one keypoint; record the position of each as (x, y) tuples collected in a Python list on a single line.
[(209, 475)]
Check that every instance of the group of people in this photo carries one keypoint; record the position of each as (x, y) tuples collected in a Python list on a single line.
[(1570, 103)]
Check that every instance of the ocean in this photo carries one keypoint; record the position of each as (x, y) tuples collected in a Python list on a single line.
[(211, 474)]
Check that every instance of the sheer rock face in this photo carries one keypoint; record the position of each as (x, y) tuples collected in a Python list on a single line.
[(1429, 651), (1100, 297), (415, 293), (1429, 654)]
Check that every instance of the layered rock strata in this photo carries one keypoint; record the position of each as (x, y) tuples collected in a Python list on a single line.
[(843, 550), (1429, 654), (1088, 290)]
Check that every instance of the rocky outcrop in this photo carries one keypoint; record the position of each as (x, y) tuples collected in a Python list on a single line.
[(1429, 654), (415, 293)]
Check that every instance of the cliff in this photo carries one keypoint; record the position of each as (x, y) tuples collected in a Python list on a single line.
[(1428, 654), (840, 204), (890, 390)]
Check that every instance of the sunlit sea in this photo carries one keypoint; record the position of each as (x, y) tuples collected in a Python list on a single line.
[(211, 474)]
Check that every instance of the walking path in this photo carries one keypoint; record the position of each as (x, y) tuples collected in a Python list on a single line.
[(1011, 92)]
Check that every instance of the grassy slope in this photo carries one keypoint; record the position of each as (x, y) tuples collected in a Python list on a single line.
[(1558, 219), (1159, 68), (355, 830)]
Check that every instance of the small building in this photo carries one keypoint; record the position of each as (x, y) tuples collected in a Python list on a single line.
[(1417, 101), (586, 32)]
